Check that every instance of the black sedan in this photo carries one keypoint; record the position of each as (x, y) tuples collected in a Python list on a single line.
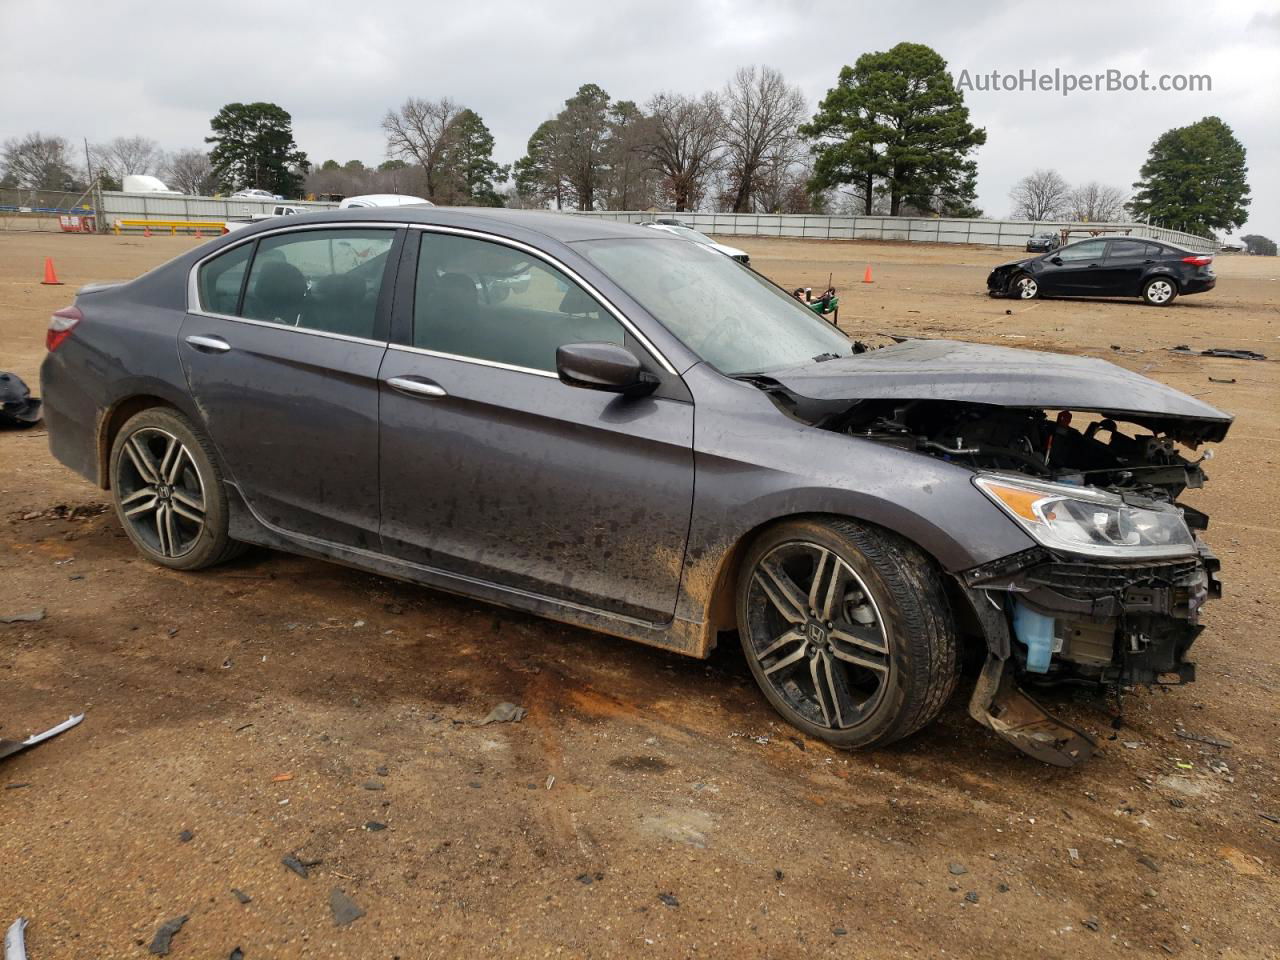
[(1043, 243), (1157, 272)]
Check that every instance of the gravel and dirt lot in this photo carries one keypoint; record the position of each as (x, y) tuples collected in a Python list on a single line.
[(646, 805)]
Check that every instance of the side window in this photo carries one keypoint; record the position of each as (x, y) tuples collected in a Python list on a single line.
[(1088, 250), (221, 278), (488, 301), (1128, 250), (324, 280)]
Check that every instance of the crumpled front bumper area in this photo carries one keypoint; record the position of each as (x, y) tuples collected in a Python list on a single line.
[(1056, 619)]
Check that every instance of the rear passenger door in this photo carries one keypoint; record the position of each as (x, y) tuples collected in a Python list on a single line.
[(1127, 261), (281, 345), (494, 470)]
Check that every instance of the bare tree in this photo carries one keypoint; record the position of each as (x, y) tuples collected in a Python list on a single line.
[(1096, 202), (190, 171), (119, 158), (37, 162), (1041, 195), (419, 132), (761, 113), (685, 142)]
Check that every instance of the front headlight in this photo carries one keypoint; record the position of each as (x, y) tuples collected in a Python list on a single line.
[(1087, 520)]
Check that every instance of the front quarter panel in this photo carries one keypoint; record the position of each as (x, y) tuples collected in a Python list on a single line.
[(755, 465)]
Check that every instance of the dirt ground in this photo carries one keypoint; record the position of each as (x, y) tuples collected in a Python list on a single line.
[(647, 805)]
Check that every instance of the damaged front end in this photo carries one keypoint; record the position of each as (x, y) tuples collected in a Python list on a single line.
[(1091, 462)]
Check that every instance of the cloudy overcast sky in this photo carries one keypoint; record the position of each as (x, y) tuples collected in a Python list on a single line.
[(102, 69)]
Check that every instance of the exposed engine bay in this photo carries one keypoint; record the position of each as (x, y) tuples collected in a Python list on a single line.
[(1118, 610)]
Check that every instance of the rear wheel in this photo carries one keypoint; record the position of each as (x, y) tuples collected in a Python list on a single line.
[(1025, 287), (168, 492), (847, 630), (1159, 291)]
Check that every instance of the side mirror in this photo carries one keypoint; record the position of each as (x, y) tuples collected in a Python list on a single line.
[(1056, 261), (603, 366)]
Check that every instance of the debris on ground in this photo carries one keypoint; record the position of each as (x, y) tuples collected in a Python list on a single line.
[(186, 836), (373, 826), (344, 908), (297, 866), (374, 785), (971, 896), (241, 896), (236, 954), (1201, 738), (23, 616), (669, 899), (1270, 817), (1149, 863), (1090, 922), (504, 713), (9, 747), (1228, 352), (1222, 380), (17, 407), (957, 869), (282, 778), (15, 945), (164, 936)]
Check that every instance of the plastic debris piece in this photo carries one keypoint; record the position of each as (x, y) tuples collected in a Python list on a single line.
[(163, 939), (15, 944), (24, 616), (344, 908), (504, 713), (9, 747)]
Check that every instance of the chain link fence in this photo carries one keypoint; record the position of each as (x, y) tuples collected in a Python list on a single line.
[(50, 211)]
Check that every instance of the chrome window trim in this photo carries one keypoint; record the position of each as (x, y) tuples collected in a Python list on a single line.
[(405, 348), (195, 307), (286, 326), (563, 268)]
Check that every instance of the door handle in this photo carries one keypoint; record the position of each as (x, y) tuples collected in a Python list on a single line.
[(417, 386), (209, 344)]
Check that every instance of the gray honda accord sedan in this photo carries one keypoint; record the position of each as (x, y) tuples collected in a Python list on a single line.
[(621, 430)]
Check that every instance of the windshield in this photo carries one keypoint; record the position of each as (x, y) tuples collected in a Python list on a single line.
[(730, 316)]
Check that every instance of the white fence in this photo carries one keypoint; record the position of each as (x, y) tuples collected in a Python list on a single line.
[(1002, 233), (164, 206)]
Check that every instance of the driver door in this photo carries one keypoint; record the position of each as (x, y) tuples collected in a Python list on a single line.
[(493, 469), (1076, 269)]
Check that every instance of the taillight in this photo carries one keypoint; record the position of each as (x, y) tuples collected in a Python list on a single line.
[(1198, 260), (60, 326)]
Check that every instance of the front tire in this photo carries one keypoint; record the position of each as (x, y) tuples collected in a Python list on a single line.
[(1159, 292), (1024, 287), (847, 630), (168, 492)]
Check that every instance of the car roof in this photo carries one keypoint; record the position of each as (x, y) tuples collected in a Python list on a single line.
[(565, 227)]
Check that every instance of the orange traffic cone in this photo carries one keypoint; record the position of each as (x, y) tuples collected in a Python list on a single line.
[(146, 231), (199, 235), (866, 277), (50, 275)]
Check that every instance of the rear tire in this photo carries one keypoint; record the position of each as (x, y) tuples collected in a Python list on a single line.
[(168, 492), (1159, 291), (847, 630)]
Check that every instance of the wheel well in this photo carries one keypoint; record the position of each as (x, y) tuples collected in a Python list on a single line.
[(110, 425), (722, 615)]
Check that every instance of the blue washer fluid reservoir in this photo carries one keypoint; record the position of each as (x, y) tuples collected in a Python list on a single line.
[(1036, 631)]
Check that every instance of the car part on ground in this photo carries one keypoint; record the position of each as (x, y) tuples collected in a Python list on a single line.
[(1229, 352), (15, 944), (9, 747), (1156, 271), (17, 407), (300, 385)]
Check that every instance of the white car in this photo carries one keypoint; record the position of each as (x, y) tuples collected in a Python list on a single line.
[(693, 236), (382, 200), (255, 194)]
